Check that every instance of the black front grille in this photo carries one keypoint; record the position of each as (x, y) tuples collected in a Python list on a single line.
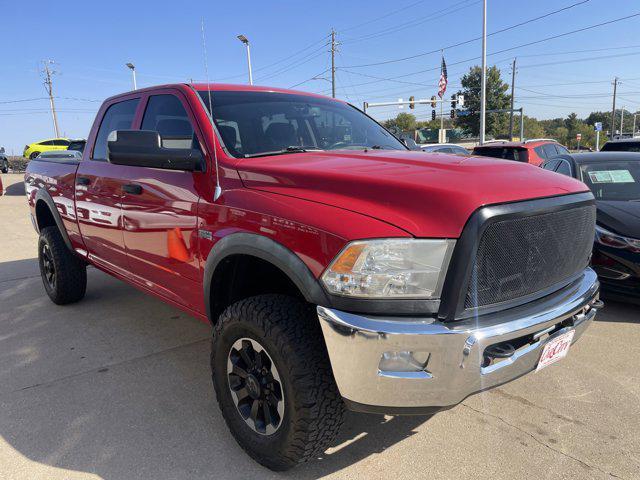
[(522, 256)]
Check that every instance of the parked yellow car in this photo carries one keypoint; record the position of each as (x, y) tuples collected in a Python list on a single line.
[(32, 150)]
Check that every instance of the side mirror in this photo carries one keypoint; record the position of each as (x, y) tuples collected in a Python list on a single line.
[(142, 148)]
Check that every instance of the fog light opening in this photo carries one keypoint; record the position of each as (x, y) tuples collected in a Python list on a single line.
[(404, 361)]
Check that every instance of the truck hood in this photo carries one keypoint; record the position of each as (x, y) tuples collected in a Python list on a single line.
[(425, 194)]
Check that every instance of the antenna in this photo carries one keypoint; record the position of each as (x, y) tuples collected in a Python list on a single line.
[(218, 190)]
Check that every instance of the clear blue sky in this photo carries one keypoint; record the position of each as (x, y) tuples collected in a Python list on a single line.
[(91, 41)]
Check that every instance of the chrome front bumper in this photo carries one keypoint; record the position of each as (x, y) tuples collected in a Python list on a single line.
[(444, 362)]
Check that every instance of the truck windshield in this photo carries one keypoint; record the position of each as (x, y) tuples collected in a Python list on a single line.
[(612, 180), (263, 123)]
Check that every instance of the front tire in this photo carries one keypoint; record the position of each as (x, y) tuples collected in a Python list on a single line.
[(64, 275), (5, 167), (33, 155), (273, 380)]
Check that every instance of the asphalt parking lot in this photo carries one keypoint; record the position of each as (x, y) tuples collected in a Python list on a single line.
[(118, 387)]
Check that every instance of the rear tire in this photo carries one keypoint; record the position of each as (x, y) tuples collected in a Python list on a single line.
[(286, 334), (64, 275), (5, 167)]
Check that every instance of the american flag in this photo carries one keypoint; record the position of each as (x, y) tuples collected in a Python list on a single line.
[(442, 84)]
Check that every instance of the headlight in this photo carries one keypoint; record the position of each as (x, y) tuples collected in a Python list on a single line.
[(610, 239), (391, 268)]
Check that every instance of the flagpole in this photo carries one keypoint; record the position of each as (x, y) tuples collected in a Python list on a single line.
[(442, 136), (483, 87)]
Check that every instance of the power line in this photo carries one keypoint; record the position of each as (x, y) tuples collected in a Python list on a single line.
[(414, 23), (282, 60), (496, 52), (476, 38), (584, 59), (24, 100), (386, 15), (306, 59)]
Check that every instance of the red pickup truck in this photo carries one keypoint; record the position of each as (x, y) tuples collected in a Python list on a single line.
[(337, 268)]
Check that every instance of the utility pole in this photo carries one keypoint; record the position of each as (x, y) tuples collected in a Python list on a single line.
[(483, 87), (622, 120), (613, 109), (513, 94), (333, 63), (49, 86)]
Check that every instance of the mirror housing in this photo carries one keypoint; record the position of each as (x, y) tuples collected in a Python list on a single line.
[(143, 148)]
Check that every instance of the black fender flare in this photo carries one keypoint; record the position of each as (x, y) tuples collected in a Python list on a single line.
[(43, 195), (266, 249)]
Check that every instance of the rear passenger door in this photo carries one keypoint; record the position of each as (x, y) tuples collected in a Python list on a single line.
[(99, 191), (159, 207)]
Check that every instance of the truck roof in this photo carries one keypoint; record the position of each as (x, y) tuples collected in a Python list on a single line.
[(203, 87)]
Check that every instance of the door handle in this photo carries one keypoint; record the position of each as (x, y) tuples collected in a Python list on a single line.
[(83, 181), (132, 188)]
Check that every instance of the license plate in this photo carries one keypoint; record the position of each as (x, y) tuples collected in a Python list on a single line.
[(555, 350)]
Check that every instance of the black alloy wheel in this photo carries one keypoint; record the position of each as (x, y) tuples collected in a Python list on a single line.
[(255, 386)]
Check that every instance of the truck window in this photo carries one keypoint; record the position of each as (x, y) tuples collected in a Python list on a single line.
[(257, 123), (166, 115), (118, 116)]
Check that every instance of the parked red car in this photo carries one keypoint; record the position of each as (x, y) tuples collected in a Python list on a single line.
[(534, 151), (338, 268)]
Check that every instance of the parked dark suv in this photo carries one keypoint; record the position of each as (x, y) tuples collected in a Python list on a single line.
[(622, 145)]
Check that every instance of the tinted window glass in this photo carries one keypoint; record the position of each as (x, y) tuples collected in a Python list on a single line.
[(621, 147), (460, 151), (118, 116), (166, 115), (561, 149), (564, 168), (551, 165), (256, 123), (615, 180), (48, 142), (550, 150), (61, 143), (540, 151), (443, 150), (507, 153)]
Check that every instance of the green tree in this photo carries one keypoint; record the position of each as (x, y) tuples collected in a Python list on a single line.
[(532, 127), (406, 122), (571, 122), (497, 98)]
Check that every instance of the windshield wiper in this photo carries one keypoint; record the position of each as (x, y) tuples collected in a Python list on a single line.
[(290, 149)]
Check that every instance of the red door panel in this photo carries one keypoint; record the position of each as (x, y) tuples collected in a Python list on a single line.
[(160, 232)]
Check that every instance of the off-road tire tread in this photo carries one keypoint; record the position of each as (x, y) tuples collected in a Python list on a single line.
[(293, 326), (71, 271)]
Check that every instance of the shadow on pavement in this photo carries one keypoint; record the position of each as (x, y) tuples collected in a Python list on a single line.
[(619, 312), (15, 189), (119, 385)]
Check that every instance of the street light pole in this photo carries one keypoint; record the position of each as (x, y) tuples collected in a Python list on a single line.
[(483, 87), (132, 67), (245, 40)]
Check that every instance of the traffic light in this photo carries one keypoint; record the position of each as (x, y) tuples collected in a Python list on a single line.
[(453, 102), (433, 102), (453, 113), (433, 114), (412, 105)]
